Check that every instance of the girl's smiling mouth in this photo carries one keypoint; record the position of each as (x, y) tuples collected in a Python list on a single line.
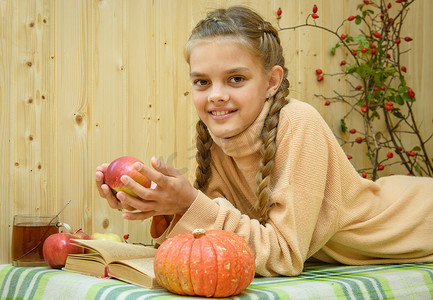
[(221, 114)]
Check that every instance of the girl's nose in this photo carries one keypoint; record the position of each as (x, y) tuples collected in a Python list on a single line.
[(218, 94)]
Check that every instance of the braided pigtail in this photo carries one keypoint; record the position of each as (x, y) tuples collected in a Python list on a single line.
[(203, 156), (268, 150)]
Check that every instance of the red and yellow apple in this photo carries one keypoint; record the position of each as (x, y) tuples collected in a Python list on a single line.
[(124, 166), (57, 247)]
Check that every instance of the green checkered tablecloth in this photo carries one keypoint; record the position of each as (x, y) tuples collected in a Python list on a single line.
[(397, 281)]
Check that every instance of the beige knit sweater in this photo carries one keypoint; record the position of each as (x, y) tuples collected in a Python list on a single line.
[(320, 207)]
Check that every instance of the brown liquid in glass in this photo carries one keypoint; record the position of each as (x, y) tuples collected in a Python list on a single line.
[(28, 239)]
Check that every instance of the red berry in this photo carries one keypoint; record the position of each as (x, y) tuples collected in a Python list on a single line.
[(388, 107), (314, 16), (314, 8), (388, 55), (408, 39), (342, 63), (389, 5), (319, 71), (376, 89), (126, 236), (373, 51), (358, 140), (349, 157), (366, 2), (390, 155), (359, 87), (377, 34), (364, 109), (411, 93), (363, 50), (351, 18), (364, 174), (381, 167), (343, 36), (398, 41), (327, 103), (319, 78), (412, 153), (279, 12), (403, 68), (382, 16), (389, 103), (354, 53), (352, 131), (382, 87)]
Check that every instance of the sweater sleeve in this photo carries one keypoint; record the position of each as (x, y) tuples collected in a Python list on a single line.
[(299, 222)]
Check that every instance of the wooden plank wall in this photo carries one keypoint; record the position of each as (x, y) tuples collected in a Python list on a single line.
[(83, 82)]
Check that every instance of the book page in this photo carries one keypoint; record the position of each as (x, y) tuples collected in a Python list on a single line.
[(138, 271), (112, 250), (89, 264)]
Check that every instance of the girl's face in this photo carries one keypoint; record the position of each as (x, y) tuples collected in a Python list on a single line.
[(229, 86)]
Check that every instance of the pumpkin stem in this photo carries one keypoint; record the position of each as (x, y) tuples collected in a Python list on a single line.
[(198, 233)]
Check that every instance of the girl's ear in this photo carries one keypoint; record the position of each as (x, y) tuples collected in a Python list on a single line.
[(275, 77)]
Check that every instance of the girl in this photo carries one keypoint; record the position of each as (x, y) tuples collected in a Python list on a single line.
[(270, 169)]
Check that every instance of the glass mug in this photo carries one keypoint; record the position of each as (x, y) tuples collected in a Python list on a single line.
[(28, 236)]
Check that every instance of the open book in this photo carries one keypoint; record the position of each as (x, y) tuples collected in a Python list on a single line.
[(130, 263)]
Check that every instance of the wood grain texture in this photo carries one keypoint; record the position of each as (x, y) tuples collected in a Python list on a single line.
[(84, 82)]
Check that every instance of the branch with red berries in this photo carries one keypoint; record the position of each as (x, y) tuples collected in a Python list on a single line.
[(379, 94)]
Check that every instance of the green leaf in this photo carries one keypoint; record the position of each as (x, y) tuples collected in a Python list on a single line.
[(399, 100), (397, 114), (351, 69), (358, 20), (334, 48), (361, 39), (388, 72), (343, 125), (416, 149), (417, 169), (402, 81), (402, 89), (363, 70), (407, 98)]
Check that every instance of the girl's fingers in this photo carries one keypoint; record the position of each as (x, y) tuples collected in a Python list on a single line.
[(164, 168), (137, 204), (111, 199), (142, 215), (102, 168), (154, 175)]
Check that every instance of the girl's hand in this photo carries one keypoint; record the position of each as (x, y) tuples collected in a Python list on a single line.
[(172, 195), (105, 191)]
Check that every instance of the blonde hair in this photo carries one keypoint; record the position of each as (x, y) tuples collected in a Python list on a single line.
[(262, 40)]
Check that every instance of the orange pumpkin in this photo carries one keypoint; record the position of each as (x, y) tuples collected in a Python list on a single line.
[(214, 263)]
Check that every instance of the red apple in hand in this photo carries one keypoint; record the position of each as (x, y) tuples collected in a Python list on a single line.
[(123, 166), (57, 247)]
